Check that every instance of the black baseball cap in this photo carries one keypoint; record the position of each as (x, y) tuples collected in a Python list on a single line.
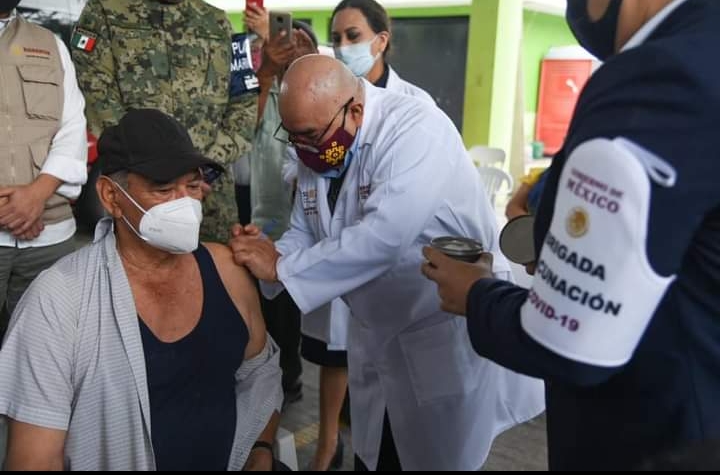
[(152, 144)]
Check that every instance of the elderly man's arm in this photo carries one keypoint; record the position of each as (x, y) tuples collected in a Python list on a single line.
[(36, 364), (35, 448), (261, 373), (96, 71), (236, 130), (261, 455), (243, 292)]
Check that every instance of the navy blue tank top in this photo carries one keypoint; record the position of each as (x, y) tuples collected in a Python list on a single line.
[(192, 381)]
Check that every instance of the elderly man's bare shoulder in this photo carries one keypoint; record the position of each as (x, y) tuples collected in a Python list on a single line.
[(230, 273), (242, 289)]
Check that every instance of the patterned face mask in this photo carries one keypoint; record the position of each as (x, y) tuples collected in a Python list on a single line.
[(329, 155), (332, 152)]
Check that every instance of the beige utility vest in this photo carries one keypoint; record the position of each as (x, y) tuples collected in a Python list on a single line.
[(31, 105)]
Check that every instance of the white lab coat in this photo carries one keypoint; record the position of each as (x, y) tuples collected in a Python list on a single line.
[(396, 84), (410, 182), (330, 322)]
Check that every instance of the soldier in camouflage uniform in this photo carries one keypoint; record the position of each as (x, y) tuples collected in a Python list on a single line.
[(174, 56)]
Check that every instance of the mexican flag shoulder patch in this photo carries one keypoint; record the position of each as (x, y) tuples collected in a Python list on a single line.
[(83, 40)]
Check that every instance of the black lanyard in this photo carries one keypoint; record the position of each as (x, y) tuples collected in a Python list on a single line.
[(334, 191)]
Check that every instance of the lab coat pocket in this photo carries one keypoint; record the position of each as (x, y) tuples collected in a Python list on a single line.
[(438, 361)]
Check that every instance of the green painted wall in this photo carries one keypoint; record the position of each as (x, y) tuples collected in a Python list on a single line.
[(321, 18), (479, 73), (540, 32), (492, 72)]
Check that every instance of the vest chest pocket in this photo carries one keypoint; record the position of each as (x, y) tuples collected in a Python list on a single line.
[(41, 91)]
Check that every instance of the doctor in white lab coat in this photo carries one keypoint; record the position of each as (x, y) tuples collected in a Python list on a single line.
[(397, 84), (361, 39), (330, 322), (405, 179)]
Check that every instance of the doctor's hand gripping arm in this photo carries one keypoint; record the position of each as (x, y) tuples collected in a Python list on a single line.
[(372, 245), (252, 249)]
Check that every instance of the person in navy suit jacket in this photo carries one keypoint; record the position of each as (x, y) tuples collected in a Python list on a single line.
[(623, 317)]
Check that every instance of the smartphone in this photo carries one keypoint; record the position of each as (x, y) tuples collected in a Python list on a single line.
[(281, 21), (253, 3)]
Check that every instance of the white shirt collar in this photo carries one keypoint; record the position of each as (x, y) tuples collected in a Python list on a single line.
[(648, 28), (4, 22)]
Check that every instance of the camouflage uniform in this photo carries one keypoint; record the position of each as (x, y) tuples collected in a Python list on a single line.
[(175, 58)]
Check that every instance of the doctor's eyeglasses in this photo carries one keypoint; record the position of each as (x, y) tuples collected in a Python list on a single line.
[(302, 141)]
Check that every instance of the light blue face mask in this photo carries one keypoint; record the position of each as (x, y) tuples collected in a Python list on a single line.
[(358, 57)]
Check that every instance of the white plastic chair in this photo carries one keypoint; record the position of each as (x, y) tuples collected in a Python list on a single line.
[(494, 180), (483, 156)]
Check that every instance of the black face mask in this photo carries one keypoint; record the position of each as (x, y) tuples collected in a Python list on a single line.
[(6, 6), (598, 37)]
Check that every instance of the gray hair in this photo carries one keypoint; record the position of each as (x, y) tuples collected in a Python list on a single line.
[(121, 178)]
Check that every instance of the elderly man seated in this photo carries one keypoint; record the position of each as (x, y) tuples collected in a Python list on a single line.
[(143, 350)]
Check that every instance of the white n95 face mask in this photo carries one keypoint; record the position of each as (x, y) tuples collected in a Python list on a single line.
[(358, 57), (173, 227)]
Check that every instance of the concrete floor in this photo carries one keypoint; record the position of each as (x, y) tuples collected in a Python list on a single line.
[(522, 448)]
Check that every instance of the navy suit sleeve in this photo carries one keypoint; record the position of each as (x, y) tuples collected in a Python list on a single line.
[(664, 98), (650, 96), (493, 320)]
